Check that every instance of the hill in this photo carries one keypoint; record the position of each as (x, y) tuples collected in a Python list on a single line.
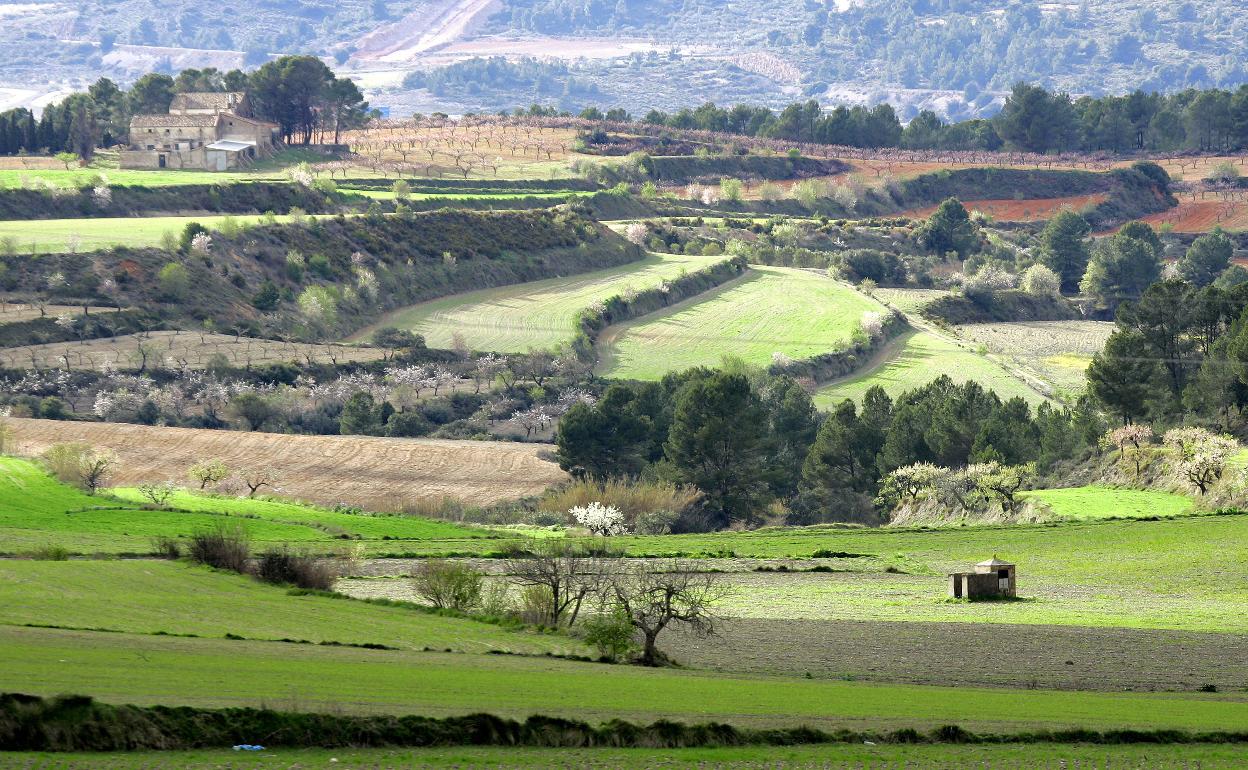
[(382, 474)]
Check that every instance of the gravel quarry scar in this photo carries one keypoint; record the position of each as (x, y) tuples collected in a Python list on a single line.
[(380, 474)]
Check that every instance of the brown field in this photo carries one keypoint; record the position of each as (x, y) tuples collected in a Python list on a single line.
[(176, 348), (1034, 210), (379, 474), (29, 162), (16, 312), (970, 654), (1203, 216)]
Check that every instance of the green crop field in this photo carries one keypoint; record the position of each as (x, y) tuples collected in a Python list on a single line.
[(534, 315), (1105, 502), (145, 669), (500, 195), (162, 597), (37, 511), (78, 177), (920, 358), (1022, 756), (797, 313)]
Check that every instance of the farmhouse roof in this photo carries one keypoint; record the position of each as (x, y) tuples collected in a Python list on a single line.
[(230, 145), (245, 119), (206, 100), (174, 121), (994, 562)]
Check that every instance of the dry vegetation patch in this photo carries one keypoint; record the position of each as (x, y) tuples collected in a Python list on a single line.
[(1056, 351), (380, 474), (195, 350)]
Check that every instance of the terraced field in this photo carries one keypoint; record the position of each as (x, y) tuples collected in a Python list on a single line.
[(1096, 502), (38, 512), (41, 236), (920, 357), (195, 350), (797, 313), (1056, 351), (379, 474), (534, 315), (217, 672)]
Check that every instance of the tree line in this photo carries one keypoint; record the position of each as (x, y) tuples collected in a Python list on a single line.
[(1033, 119), (746, 439), (298, 93)]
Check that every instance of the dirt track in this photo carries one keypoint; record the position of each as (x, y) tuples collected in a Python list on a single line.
[(381, 474)]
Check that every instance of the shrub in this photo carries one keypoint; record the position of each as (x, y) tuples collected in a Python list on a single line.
[(224, 547), (164, 547), (78, 464), (611, 635), (50, 553), (299, 569), (448, 585), (632, 498)]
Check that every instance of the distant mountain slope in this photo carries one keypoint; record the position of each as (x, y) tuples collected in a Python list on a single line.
[(957, 57)]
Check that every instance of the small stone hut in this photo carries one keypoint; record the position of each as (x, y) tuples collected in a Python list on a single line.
[(992, 579)]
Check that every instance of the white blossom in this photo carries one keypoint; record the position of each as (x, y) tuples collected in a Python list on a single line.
[(599, 519)]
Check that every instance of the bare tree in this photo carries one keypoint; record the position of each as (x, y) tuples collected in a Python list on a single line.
[(257, 478), (653, 597), (567, 574)]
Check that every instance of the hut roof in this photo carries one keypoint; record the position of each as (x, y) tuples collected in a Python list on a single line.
[(994, 562)]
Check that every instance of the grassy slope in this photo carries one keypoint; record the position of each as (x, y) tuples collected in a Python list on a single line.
[(795, 312), (740, 757), (212, 672), (151, 597), (539, 314), (923, 358), (78, 178), (36, 510), (1105, 502)]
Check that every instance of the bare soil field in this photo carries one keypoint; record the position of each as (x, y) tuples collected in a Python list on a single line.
[(378, 474), (196, 350), (1202, 216), (1034, 210), (972, 654), (16, 312)]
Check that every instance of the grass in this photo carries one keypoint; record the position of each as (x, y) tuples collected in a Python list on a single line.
[(923, 357), (534, 315), (213, 672), (798, 313), (94, 234), (162, 597), (81, 177), (1096, 502), (37, 511), (1025, 756)]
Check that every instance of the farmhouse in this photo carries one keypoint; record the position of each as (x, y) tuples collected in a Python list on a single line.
[(992, 579), (203, 131)]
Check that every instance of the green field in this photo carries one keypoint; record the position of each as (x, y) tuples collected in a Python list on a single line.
[(82, 177), (798, 313), (920, 358), (1024, 756), (534, 315), (37, 511), (179, 599), (1095, 502), (144, 670), (500, 195), (94, 234)]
